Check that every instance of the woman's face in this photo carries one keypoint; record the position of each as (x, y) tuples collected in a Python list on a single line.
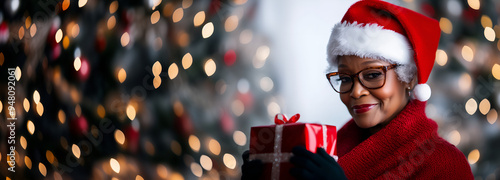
[(372, 107)]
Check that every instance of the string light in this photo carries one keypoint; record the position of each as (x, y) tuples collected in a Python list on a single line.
[(178, 108), (467, 53), (156, 82), (474, 4), (273, 108), (18, 73), (77, 63), (113, 7), (101, 112), (445, 25), (155, 17), (76, 150), (50, 156), (237, 107), (441, 57), (495, 71), (36, 97), (114, 165), (187, 61), (82, 3), (239, 138), (465, 83), (199, 18), (194, 143), (173, 70), (196, 169), (33, 30), (24, 144), (176, 148), (489, 34), (162, 171), (31, 127), (486, 21), (27, 162), (27, 22), (125, 39), (26, 104), (206, 162), (65, 4), (122, 75), (484, 106), (61, 116), (59, 35), (21, 33), (65, 42), (210, 67), (471, 106), (473, 156), (187, 3), (119, 137), (266, 84), (214, 146), (208, 30), (454, 137), (229, 161), (131, 112), (111, 22), (492, 116), (177, 16), (42, 168), (150, 148), (231, 23)]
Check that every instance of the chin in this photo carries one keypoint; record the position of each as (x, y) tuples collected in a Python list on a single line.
[(364, 123)]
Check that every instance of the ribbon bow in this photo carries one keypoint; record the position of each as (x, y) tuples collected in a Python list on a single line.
[(282, 119)]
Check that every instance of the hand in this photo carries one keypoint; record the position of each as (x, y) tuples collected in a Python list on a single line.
[(251, 169), (314, 166)]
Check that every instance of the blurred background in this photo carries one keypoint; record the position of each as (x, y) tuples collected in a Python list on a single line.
[(161, 89)]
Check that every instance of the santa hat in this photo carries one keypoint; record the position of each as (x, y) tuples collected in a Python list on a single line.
[(380, 30)]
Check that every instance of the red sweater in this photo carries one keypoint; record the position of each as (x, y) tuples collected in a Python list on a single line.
[(407, 148)]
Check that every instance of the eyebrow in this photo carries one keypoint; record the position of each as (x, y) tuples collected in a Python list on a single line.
[(363, 63)]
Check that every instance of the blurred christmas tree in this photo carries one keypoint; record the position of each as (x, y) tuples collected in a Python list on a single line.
[(132, 89), (465, 80)]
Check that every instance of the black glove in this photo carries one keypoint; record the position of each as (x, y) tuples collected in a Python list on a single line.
[(314, 166), (251, 169)]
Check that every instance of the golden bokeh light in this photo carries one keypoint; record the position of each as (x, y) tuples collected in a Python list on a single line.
[(183, 39), (31, 127), (59, 35), (246, 36), (467, 53), (23, 142), (492, 116), (178, 108), (36, 97), (471, 106), (33, 30), (465, 82), (176, 148), (155, 17), (119, 136), (178, 14), (75, 30), (114, 165), (206, 162), (208, 30), (239, 138), (139, 177), (194, 143), (156, 82), (42, 168), (445, 25), (76, 150), (187, 3), (473, 156), (162, 171), (214, 146), (27, 22), (173, 70), (131, 112), (237, 107), (82, 3), (101, 112), (196, 169), (199, 18), (489, 34), (21, 32), (231, 23), (122, 75), (125, 39), (474, 4), (156, 69), (65, 4), (495, 71), (77, 63), (78, 110), (50, 156), (262, 53), (187, 61), (210, 67), (61, 116), (150, 148), (113, 7), (266, 84), (484, 106), (441, 57), (229, 161), (486, 21), (18, 73), (454, 137), (111, 22), (65, 42), (27, 162), (273, 108), (26, 104), (239, 2)]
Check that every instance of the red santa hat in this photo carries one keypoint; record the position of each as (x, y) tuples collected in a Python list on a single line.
[(380, 30)]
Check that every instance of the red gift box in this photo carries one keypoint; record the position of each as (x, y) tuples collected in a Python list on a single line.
[(273, 144)]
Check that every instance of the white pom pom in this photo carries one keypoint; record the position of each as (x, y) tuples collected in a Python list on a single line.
[(422, 92)]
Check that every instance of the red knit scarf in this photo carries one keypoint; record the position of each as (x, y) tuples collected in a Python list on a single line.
[(406, 148)]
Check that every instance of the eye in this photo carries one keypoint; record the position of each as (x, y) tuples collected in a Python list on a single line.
[(345, 79), (372, 75)]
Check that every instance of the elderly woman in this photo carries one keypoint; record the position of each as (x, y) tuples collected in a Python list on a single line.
[(380, 58)]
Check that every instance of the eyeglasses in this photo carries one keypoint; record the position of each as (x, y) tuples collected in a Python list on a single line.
[(370, 78)]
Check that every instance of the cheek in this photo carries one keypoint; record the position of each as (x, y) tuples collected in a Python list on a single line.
[(345, 98)]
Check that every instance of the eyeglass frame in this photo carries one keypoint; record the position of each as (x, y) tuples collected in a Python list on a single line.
[(383, 68)]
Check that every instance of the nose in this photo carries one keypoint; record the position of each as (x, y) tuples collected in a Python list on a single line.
[(358, 90)]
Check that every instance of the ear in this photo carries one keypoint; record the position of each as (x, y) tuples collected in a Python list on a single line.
[(413, 82)]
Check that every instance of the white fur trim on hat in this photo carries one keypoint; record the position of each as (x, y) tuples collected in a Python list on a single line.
[(368, 41), (422, 92)]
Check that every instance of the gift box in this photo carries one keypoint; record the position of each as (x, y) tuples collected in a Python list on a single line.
[(273, 144)]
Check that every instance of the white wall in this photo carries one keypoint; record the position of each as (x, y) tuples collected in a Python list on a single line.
[(299, 32)]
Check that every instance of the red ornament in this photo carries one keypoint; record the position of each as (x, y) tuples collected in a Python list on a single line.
[(100, 43), (4, 32), (79, 126), (132, 136), (230, 57), (84, 72), (55, 51), (183, 125)]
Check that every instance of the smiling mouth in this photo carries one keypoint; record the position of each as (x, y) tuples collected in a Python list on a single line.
[(362, 108)]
